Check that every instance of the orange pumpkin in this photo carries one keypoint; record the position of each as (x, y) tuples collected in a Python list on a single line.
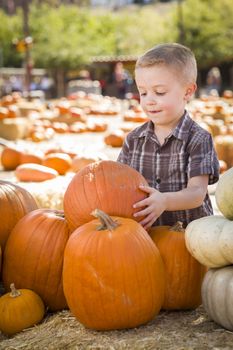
[(10, 158), (31, 158), (15, 202), (61, 162), (184, 274), (33, 256), (79, 162), (115, 138), (113, 274), (31, 172), (110, 186), (3, 112), (20, 309)]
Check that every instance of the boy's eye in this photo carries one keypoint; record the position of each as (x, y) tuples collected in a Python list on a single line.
[(142, 94), (160, 93)]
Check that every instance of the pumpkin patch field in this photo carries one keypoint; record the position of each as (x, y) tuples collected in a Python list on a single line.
[(77, 272)]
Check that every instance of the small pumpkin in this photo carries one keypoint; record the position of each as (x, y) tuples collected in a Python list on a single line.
[(20, 309), (224, 194), (10, 158), (80, 161), (15, 202), (31, 172), (110, 186), (115, 138), (209, 240), (30, 157), (184, 274), (113, 274), (61, 162), (217, 296), (33, 256)]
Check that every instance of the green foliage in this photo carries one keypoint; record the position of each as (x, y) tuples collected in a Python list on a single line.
[(69, 36), (10, 28), (208, 29)]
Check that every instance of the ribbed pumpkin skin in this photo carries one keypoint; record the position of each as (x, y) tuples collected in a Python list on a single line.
[(217, 295), (209, 240), (184, 274), (20, 312), (224, 194), (33, 257), (107, 185), (113, 279), (15, 202)]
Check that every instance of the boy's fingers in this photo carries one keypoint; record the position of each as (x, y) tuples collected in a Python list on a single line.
[(148, 221), (142, 212), (140, 204), (147, 189)]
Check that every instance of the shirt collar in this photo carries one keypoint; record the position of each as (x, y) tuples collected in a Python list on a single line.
[(180, 132)]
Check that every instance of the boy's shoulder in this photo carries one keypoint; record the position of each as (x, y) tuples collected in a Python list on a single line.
[(198, 129)]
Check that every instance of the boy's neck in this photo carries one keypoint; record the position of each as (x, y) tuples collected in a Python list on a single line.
[(163, 131)]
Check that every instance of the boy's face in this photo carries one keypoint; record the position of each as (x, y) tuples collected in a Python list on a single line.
[(163, 94)]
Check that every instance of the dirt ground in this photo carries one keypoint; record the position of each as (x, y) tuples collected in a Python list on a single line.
[(189, 330)]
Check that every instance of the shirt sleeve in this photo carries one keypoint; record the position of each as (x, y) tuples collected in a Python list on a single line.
[(203, 160)]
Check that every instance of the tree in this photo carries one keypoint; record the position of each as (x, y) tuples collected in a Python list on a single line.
[(208, 30), (10, 29)]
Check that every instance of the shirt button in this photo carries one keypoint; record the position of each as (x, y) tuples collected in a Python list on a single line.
[(158, 181)]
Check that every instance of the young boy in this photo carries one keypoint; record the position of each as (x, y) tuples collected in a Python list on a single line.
[(171, 151)]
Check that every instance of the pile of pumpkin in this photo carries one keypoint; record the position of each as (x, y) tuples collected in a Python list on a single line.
[(109, 271), (210, 241), (20, 119), (37, 165), (216, 116)]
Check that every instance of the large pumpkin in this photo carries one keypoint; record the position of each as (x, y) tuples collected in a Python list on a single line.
[(224, 194), (184, 274), (113, 274), (20, 309), (217, 295), (110, 186), (15, 202), (33, 257), (210, 240)]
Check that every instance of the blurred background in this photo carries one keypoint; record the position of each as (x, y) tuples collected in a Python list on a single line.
[(53, 48), (67, 75)]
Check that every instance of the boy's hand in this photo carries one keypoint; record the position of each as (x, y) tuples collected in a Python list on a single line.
[(155, 205)]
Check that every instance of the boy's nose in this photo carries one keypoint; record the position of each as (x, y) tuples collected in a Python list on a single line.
[(151, 100)]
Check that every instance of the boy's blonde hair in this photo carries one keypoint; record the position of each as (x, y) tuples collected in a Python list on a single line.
[(177, 56)]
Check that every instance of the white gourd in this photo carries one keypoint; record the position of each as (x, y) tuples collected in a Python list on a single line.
[(224, 194), (210, 240), (217, 295)]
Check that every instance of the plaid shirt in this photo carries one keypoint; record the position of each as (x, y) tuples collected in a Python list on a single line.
[(188, 151)]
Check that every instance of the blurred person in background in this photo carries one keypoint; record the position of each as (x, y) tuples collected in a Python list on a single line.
[(122, 79), (214, 81)]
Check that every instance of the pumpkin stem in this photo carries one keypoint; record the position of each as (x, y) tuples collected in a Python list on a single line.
[(107, 223), (177, 227), (59, 213), (14, 292)]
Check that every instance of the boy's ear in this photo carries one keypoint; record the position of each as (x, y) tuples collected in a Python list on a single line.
[(191, 88)]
